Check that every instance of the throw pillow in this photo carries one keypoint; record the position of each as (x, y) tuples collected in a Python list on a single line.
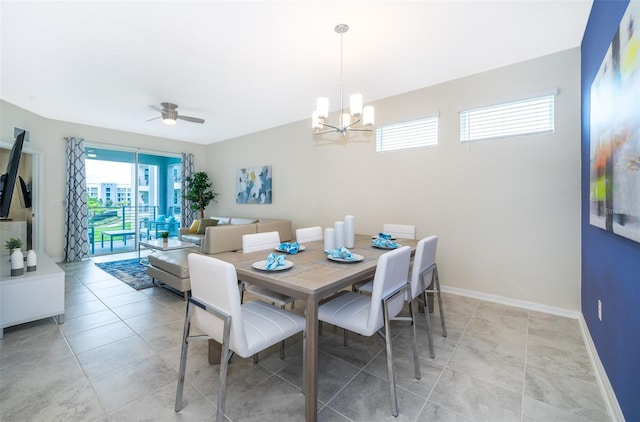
[(193, 229), (206, 223)]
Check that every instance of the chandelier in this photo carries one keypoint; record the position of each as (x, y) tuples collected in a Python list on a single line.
[(357, 113)]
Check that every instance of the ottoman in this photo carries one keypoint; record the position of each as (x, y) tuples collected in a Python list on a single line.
[(172, 269)]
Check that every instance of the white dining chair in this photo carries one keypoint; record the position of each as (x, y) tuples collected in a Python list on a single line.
[(309, 234), (368, 315), (215, 309), (259, 242), (423, 279), (402, 231)]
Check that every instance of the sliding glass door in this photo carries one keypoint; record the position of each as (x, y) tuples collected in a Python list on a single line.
[(131, 197)]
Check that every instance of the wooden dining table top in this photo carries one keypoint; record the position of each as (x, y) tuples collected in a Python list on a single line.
[(312, 272)]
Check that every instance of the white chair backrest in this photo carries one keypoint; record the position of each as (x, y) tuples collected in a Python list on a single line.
[(309, 234), (260, 241), (391, 273), (424, 257), (402, 231), (215, 283)]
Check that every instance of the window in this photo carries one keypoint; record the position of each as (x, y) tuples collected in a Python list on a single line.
[(405, 135), (534, 115)]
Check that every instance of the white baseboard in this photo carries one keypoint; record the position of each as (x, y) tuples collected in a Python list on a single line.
[(608, 395), (532, 306)]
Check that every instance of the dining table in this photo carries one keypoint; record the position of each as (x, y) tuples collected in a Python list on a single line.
[(312, 277)]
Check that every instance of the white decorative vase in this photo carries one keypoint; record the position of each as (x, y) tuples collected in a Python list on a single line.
[(32, 260), (17, 262)]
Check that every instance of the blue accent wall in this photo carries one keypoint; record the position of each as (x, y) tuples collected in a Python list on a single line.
[(610, 263)]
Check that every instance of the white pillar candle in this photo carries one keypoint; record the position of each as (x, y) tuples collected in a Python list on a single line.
[(329, 239), (349, 232), (339, 233)]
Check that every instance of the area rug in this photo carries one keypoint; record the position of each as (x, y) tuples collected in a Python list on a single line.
[(129, 271)]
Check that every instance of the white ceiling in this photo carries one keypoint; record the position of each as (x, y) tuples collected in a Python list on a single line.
[(245, 66)]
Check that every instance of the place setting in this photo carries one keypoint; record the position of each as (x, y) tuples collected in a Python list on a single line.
[(343, 255), (291, 248), (274, 262), (384, 241)]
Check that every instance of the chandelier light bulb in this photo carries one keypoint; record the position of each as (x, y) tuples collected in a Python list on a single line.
[(368, 116), (346, 120), (355, 104), (322, 107), (315, 121)]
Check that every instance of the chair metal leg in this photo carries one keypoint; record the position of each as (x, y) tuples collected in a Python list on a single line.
[(304, 360), (224, 364), (392, 379), (437, 285), (282, 343), (427, 318), (414, 342), (345, 338), (183, 357)]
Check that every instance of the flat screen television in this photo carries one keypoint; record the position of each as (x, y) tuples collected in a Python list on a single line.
[(8, 179)]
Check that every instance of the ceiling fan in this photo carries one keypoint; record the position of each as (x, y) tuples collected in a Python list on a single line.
[(169, 114)]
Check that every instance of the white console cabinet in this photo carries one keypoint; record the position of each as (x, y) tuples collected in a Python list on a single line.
[(33, 295)]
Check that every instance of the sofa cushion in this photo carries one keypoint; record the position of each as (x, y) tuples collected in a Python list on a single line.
[(243, 220), (193, 229), (174, 262), (192, 238), (207, 222), (222, 220)]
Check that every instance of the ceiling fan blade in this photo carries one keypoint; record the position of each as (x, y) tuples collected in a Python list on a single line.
[(156, 108), (155, 118), (191, 119)]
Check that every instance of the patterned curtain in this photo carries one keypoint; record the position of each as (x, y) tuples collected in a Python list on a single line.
[(188, 215), (76, 235)]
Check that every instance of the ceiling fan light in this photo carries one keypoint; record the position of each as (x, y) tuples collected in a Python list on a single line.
[(168, 121)]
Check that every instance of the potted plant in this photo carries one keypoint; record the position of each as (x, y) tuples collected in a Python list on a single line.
[(165, 237), (13, 243), (199, 192)]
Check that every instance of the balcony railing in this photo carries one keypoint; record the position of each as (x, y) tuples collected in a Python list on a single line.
[(122, 219)]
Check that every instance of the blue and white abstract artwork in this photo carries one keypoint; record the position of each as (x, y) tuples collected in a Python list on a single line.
[(253, 185)]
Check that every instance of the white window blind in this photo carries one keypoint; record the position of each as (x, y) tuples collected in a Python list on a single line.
[(525, 117), (412, 134)]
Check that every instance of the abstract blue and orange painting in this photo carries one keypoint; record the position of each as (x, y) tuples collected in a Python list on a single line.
[(253, 185)]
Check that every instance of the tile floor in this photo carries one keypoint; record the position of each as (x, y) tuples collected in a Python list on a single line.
[(116, 359)]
